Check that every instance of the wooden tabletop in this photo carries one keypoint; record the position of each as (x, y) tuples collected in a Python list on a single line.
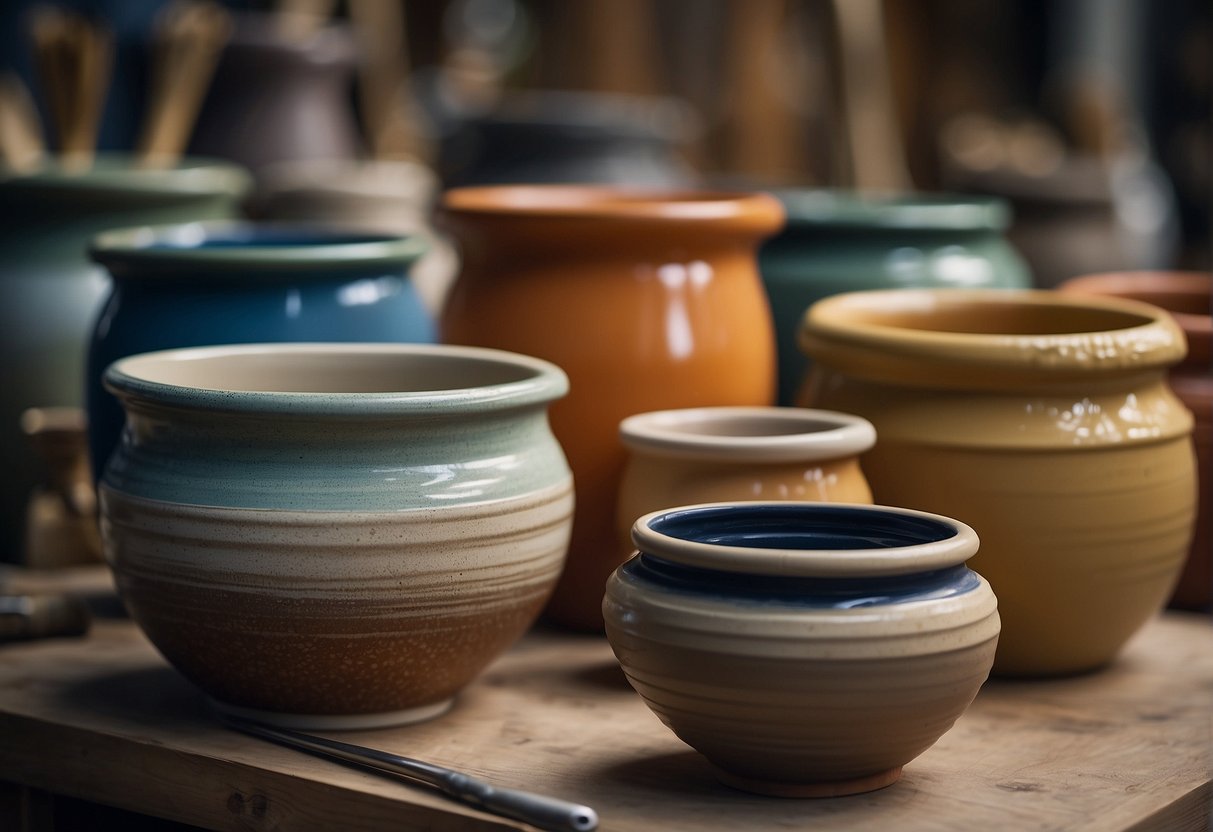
[(105, 719)]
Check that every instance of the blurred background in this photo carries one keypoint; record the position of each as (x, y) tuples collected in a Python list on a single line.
[(1093, 115)]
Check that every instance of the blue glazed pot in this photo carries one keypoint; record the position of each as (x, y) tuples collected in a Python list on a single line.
[(837, 241), (227, 283), (805, 649)]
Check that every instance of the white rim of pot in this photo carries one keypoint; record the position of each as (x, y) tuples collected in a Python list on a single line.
[(954, 543), (739, 434)]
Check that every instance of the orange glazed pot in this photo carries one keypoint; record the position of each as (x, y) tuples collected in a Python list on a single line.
[(1188, 296), (649, 300)]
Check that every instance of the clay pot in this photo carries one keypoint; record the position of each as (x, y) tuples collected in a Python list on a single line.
[(717, 454), (840, 241), (805, 649), (1045, 422), (50, 292), (335, 536), (232, 283), (1188, 296), (648, 300)]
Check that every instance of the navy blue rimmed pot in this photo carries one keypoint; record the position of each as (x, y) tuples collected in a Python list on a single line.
[(805, 649), (204, 284)]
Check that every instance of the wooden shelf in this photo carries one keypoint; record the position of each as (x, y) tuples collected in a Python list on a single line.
[(105, 719)]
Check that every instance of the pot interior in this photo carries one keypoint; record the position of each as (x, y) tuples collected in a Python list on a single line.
[(999, 318), (318, 370)]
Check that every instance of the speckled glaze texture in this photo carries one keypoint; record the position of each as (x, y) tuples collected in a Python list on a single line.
[(648, 299), (1043, 421), (230, 283), (717, 454), (335, 536), (838, 241), (805, 649)]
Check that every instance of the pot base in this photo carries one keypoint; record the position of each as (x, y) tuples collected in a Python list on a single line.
[(335, 722), (831, 788)]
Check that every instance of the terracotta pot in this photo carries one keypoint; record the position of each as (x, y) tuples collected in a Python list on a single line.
[(805, 649), (335, 535), (648, 300), (1045, 422), (1188, 296), (716, 454)]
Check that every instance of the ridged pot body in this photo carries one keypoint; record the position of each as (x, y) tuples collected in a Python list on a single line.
[(647, 301), (1047, 425), (717, 454), (842, 242), (50, 292), (1188, 296), (803, 685), (338, 568), (239, 283)]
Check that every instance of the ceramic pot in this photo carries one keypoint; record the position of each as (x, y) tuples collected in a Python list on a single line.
[(648, 300), (335, 536), (299, 106), (837, 241), (717, 454), (805, 649), (229, 283), (570, 137), (1043, 420), (1188, 296), (49, 291), (390, 197)]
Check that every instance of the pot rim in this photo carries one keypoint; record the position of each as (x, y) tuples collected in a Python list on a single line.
[(1149, 338), (249, 246), (527, 382), (804, 435), (942, 541), (615, 203), (1166, 289), (118, 176), (809, 208)]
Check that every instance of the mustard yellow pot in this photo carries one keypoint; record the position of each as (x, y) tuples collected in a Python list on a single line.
[(1043, 421)]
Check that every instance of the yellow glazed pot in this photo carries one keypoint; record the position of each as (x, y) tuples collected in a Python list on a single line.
[(1043, 421), (713, 454)]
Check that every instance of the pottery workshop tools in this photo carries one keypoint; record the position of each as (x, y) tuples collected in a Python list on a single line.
[(535, 809)]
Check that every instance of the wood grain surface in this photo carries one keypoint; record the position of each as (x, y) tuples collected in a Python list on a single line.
[(105, 719)]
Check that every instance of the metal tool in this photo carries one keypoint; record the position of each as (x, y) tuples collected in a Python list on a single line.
[(535, 809)]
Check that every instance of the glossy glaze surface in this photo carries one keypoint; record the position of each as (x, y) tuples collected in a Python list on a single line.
[(229, 283), (1188, 296), (1046, 423), (649, 300), (50, 292), (335, 535), (837, 241), (702, 455), (805, 649)]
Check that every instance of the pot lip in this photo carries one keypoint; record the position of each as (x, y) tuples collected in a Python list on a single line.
[(542, 382), (615, 203), (809, 208), (1152, 339), (117, 176), (809, 435), (945, 542), (243, 246)]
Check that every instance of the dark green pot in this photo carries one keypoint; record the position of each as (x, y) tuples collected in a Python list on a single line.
[(837, 241)]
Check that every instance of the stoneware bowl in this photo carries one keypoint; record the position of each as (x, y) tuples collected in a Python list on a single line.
[(805, 649), (335, 536), (714, 454), (1043, 420)]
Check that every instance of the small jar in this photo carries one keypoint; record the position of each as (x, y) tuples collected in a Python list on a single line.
[(713, 454), (805, 649)]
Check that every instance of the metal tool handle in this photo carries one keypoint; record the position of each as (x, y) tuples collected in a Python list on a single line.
[(535, 809)]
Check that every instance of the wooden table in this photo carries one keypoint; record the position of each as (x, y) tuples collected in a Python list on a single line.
[(106, 720)]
